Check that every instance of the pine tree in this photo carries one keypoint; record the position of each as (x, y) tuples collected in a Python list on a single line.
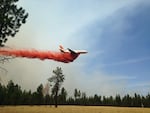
[(56, 81)]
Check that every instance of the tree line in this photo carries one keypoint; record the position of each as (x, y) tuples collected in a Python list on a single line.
[(12, 94)]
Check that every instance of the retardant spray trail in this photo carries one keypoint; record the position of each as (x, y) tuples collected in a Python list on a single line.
[(62, 56)]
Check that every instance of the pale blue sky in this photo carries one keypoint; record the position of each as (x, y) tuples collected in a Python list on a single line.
[(114, 32)]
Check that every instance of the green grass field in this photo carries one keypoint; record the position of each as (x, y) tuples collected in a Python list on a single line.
[(71, 109)]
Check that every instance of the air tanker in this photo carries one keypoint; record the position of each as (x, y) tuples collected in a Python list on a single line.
[(70, 54)]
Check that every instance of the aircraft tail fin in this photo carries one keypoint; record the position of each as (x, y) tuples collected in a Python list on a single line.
[(61, 48)]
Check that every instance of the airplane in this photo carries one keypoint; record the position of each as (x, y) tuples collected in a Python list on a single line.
[(69, 54), (65, 55)]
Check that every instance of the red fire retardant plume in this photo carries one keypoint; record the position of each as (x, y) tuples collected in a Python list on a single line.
[(42, 55)]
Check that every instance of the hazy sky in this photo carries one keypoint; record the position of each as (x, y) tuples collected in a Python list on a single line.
[(114, 32)]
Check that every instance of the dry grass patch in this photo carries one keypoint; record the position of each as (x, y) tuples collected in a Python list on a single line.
[(71, 109)]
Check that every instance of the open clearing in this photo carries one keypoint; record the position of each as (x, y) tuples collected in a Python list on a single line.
[(71, 109)]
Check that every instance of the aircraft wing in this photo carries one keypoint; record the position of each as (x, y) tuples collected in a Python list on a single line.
[(71, 51)]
